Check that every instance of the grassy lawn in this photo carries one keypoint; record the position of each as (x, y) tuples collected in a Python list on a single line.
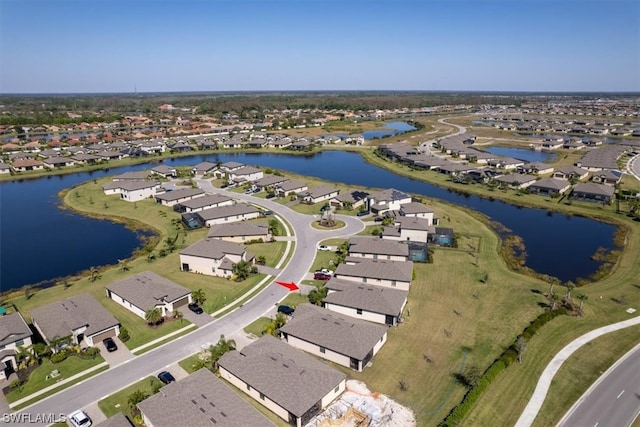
[(189, 363), (164, 341), (325, 259), (258, 326), (117, 402), (38, 379), (272, 251)]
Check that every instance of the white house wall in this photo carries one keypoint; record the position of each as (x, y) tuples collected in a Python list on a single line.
[(352, 312), (314, 349), (378, 282), (413, 235), (126, 304), (234, 218), (136, 196), (376, 256)]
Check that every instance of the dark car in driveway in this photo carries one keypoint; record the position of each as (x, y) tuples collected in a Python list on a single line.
[(166, 377), (196, 308), (109, 344), (285, 309)]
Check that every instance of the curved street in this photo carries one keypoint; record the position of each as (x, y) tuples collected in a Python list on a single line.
[(117, 377)]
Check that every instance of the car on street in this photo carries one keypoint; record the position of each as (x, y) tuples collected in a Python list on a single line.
[(285, 309), (80, 419), (166, 377), (195, 308), (109, 344), (267, 213), (319, 275), (324, 248)]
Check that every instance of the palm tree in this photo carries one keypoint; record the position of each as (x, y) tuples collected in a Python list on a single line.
[(554, 299), (220, 348), (178, 315), (153, 316), (552, 283), (26, 357), (582, 298), (317, 295), (569, 285), (198, 296)]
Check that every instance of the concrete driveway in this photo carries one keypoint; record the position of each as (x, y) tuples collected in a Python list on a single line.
[(114, 358), (197, 319)]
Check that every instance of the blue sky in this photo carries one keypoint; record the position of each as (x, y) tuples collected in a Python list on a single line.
[(59, 46)]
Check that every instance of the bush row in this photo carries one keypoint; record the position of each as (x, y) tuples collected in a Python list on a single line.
[(510, 355)]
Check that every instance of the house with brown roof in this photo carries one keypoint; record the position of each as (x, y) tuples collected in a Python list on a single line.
[(227, 213), (376, 304), (81, 317), (376, 248), (172, 198), (14, 333), (200, 399), (213, 257), (148, 290), (240, 232), (25, 165), (379, 272), (330, 335), (290, 383)]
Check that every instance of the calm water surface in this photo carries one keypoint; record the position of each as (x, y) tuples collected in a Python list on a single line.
[(521, 154), (39, 242)]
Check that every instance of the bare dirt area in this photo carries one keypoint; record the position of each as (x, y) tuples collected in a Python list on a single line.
[(359, 407)]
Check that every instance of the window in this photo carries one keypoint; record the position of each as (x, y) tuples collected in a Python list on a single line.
[(364, 280), (393, 283), (20, 342), (248, 387), (261, 396), (323, 350), (375, 256), (359, 311)]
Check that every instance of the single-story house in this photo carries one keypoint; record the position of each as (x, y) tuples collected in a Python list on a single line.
[(571, 172), (270, 181), (379, 272), (590, 191), (164, 171), (80, 317), (132, 176), (538, 168), (171, 198), (387, 200), (230, 213), (353, 198), (246, 173), (516, 180), (24, 165), (201, 203), (4, 168), (291, 186), (134, 191), (287, 381), (368, 302), (318, 194), (240, 232), (550, 186), (146, 291), (203, 168), (376, 248), (58, 162), (418, 210), (607, 177), (213, 257), (330, 335), (200, 399), (507, 163), (14, 333)]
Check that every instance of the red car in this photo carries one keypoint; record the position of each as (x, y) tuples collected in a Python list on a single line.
[(319, 275)]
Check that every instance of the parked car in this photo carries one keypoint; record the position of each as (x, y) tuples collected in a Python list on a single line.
[(109, 344), (267, 213), (319, 275), (324, 248), (285, 309), (166, 377), (362, 213), (248, 191), (326, 271), (195, 308), (80, 419)]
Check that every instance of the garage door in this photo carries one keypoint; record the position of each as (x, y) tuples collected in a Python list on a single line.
[(181, 302), (99, 337)]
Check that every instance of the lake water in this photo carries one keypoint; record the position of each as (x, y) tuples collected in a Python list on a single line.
[(390, 129), (521, 154), (39, 242)]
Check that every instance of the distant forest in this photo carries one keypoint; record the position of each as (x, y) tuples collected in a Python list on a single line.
[(53, 109)]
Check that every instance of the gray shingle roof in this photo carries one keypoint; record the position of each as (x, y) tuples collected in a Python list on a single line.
[(376, 299), (374, 245), (291, 378), (181, 193), (60, 318), (377, 269), (208, 200), (213, 248), (320, 191), (270, 180), (238, 229), (594, 189), (339, 333), (413, 223), (415, 208), (551, 184), (137, 185), (389, 195), (13, 328), (225, 211), (197, 401), (147, 289), (291, 185), (118, 420), (246, 170)]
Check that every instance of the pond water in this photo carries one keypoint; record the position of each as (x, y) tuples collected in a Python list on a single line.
[(521, 154), (390, 129), (39, 242)]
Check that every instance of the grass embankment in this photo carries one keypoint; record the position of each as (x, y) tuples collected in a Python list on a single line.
[(90, 200)]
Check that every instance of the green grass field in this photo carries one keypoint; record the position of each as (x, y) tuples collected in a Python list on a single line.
[(118, 401)]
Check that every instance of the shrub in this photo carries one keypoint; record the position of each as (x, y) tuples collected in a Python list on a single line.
[(124, 335), (58, 357)]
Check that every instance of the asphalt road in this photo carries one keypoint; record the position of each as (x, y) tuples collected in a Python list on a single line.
[(613, 401), (96, 388)]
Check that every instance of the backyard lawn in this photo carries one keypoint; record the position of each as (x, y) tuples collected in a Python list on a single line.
[(118, 402)]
